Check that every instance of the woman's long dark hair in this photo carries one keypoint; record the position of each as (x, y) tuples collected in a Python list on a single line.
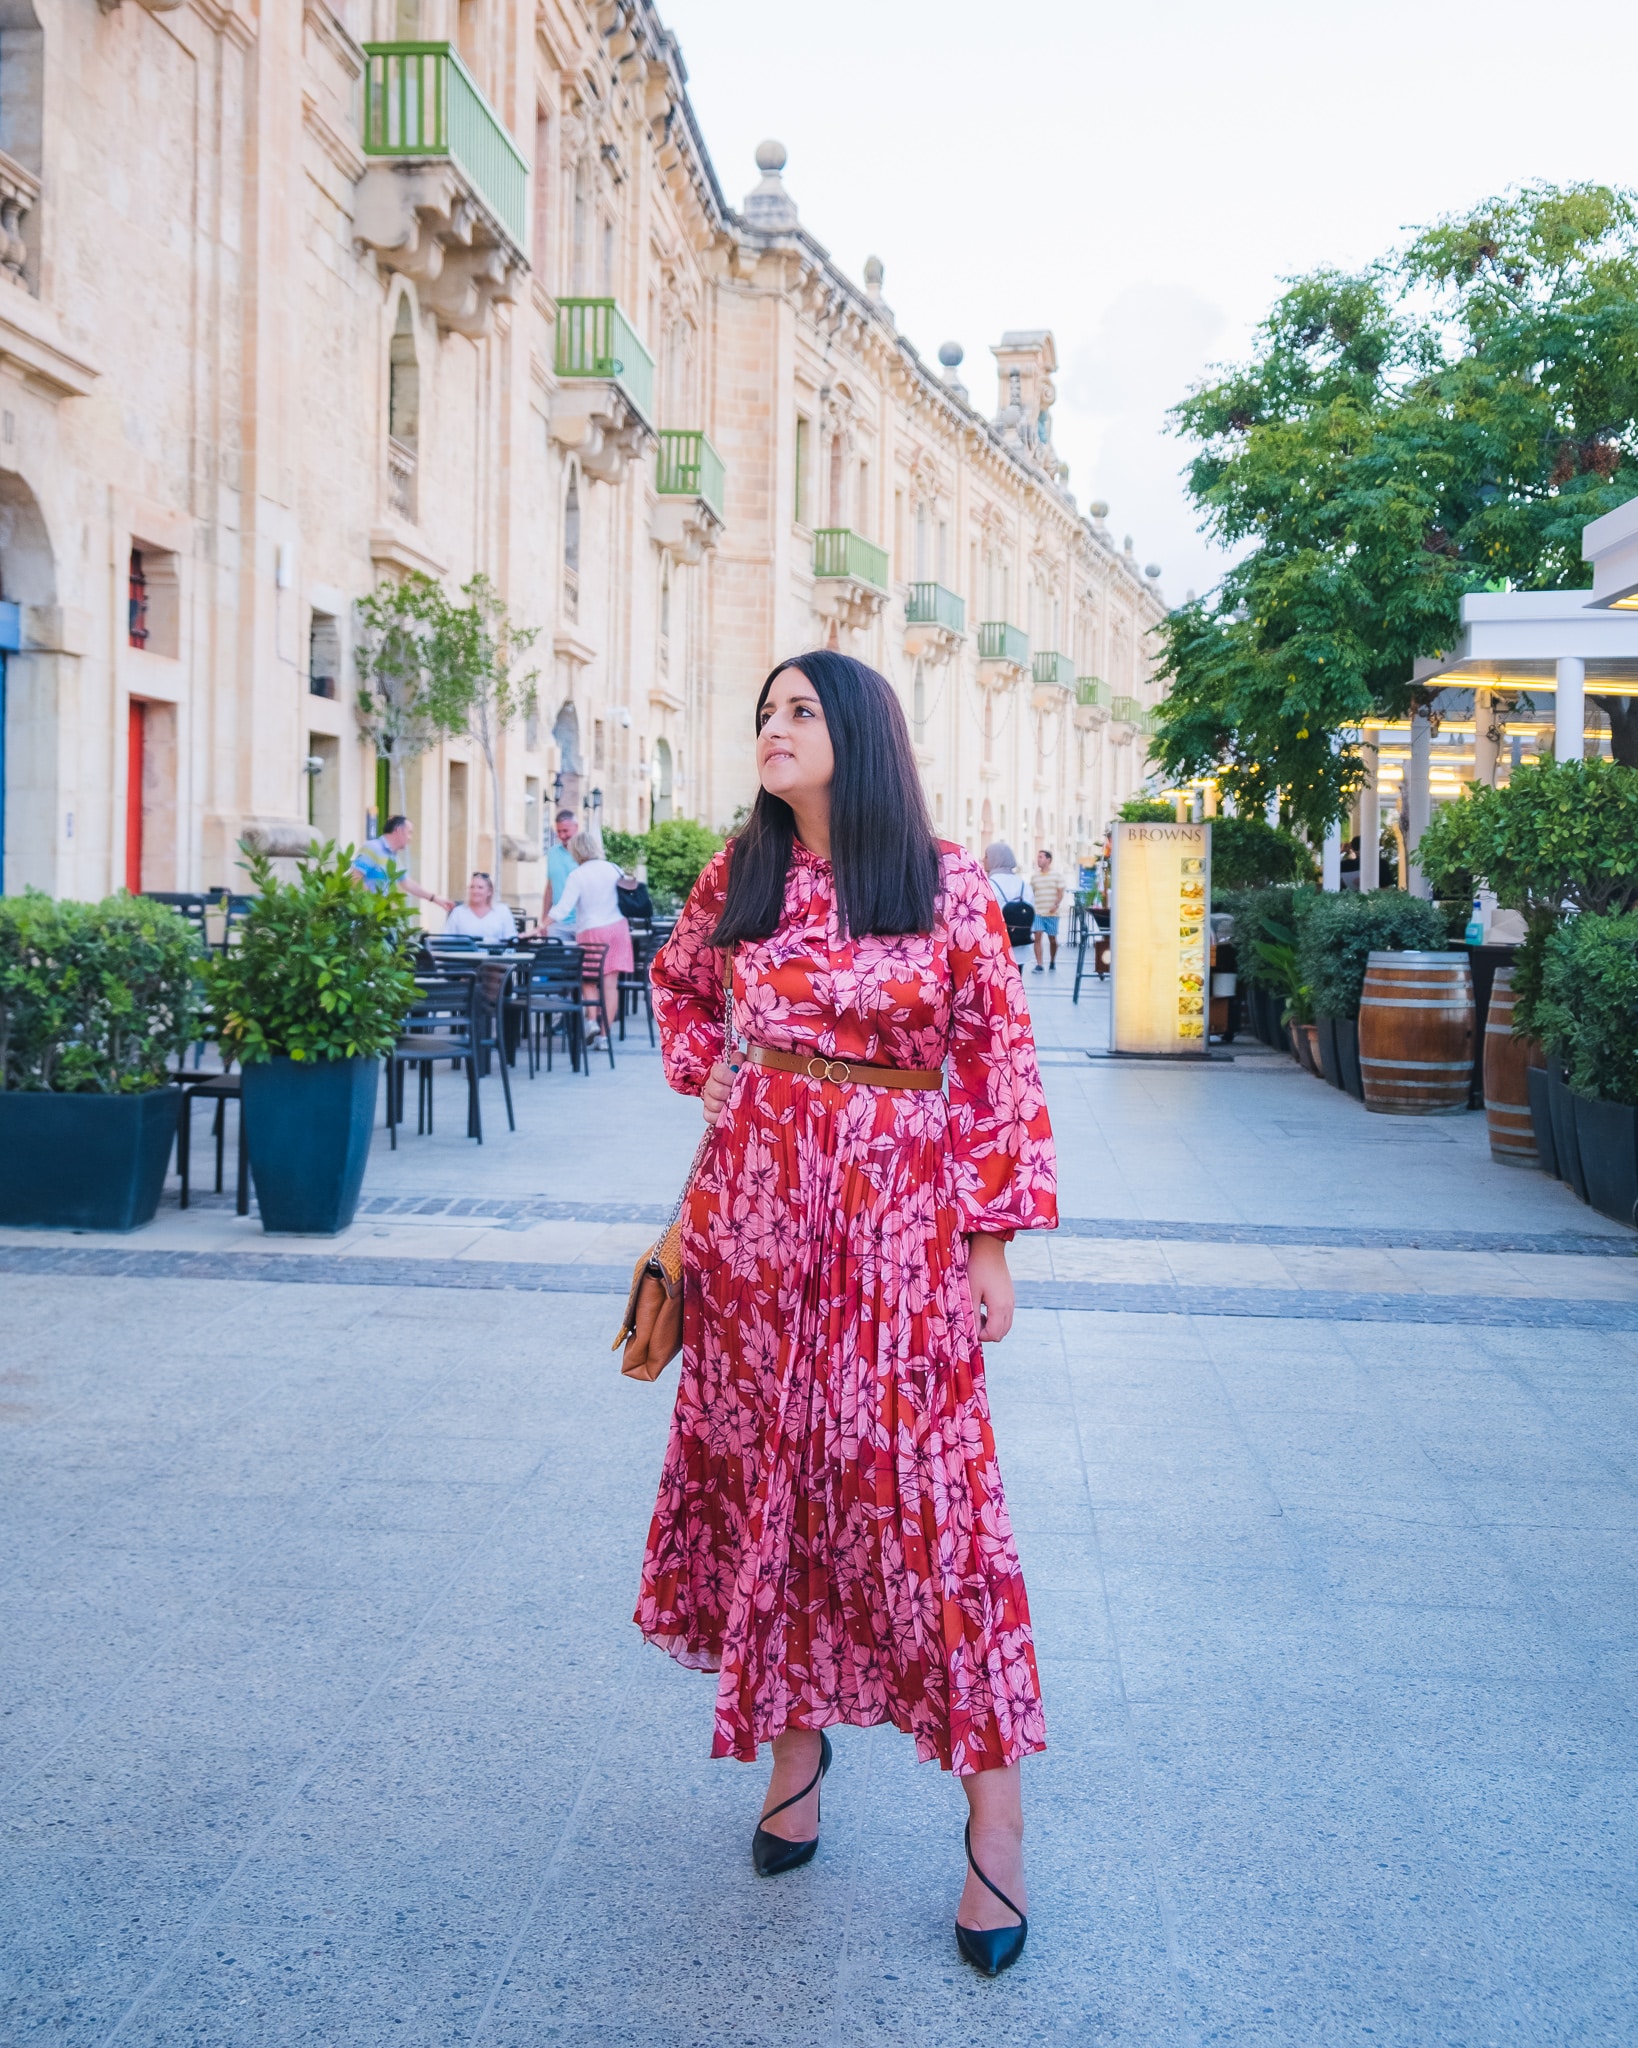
[(882, 849)]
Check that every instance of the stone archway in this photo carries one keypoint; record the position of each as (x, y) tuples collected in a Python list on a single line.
[(571, 765), (31, 696)]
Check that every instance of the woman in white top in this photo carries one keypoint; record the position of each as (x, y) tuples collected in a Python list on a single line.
[(589, 896), (480, 916)]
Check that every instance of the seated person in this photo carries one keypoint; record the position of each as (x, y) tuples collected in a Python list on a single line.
[(480, 916)]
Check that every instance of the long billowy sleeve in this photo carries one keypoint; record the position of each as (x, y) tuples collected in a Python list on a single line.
[(689, 1002), (1006, 1169)]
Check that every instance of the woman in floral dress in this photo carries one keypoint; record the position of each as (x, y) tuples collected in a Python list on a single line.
[(831, 1535)]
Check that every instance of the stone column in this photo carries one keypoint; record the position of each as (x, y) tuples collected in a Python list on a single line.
[(1331, 858), (1486, 739), (1370, 818), (1419, 808), (1570, 710)]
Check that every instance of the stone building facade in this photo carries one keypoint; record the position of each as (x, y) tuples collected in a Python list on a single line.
[(297, 298)]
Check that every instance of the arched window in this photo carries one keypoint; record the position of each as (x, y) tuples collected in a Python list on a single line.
[(662, 781), (403, 412), (571, 545)]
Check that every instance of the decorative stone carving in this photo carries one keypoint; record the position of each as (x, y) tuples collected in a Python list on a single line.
[(423, 220), (279, 838), (684, 528), (19, 196), (593, 417), (933, 645), (847, 602)]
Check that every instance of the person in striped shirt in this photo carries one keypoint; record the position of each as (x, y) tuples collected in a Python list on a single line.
[(1047, 889)]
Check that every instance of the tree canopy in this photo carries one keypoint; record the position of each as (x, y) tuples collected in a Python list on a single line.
[(1445, 421)]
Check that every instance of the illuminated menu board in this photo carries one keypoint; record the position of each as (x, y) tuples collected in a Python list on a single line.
[(1161, 952)]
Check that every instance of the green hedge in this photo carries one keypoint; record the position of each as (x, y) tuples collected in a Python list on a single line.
[(1249, 853), (1262, 917), (321, 970), (95, 998), (1587, 1011), (1338, 932)]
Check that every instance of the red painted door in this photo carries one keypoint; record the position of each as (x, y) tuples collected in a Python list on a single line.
[(133, 796)]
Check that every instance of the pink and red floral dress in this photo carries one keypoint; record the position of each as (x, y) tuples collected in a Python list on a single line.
[(831, 1534)]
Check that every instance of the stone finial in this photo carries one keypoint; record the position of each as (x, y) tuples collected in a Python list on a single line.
[(770, 208), (951, 354), (1127, 544), (1152, 571), (1099, 509), (875, 271)]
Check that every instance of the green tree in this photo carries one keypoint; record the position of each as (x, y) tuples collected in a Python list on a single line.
[(1444, 421), (410, 695), (678, 851), (476, 652), (1146, 810)]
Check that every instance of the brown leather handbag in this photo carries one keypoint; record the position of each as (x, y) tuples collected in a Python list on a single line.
[(652, 1327)]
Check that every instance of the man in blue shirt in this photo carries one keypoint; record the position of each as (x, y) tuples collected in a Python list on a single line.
[(378, 865), (559, 867)]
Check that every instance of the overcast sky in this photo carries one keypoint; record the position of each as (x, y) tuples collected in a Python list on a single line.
[(1140, 179)]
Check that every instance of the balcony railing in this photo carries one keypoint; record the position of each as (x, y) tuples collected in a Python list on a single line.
[(838, 551), (930, 604), (1126, 710), (1053, 671), (420, 101), (997, 641), (1088, 690), (595, 339), (689, 467)]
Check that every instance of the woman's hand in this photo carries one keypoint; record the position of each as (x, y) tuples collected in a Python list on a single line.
[(990, 1285), (714, 1095)]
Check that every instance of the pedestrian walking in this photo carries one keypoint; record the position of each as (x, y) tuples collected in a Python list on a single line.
[(380, 862), (590, 900), (1011, 891), (559, 865), (1046, 889), (831, 1536)]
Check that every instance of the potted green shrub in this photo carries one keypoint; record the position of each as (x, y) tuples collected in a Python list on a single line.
[(95, 1000), (1338, 934), (1587, 1009), (308, 1001), (1264, 918), (1561, 838)]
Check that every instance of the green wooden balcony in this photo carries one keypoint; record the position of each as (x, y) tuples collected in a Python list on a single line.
[(689, 467), (595, 339), (1053, 671), (838, 551), (420, 101), (1126, 710), (930, 604), (997, 641), (1088, 690)]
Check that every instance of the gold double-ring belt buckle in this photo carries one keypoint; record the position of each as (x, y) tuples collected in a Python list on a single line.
[(828, 1070)]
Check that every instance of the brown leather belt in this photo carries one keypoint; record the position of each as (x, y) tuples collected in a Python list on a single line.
[(818, 1068)]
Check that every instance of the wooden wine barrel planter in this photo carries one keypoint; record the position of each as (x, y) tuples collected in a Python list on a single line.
[(1507, 1064), (1416, 1033)]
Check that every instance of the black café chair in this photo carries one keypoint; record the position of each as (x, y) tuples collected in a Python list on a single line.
[(592, 999), (441, 1025), (633, 987), (553, 999), (220, 1089)]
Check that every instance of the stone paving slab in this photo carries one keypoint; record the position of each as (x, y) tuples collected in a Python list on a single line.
[(322, 1719)]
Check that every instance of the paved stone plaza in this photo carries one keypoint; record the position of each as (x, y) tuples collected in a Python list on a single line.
[(322, 1718)]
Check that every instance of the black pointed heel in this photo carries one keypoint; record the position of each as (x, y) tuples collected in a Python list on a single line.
[(772, 1855), (991, 1949)]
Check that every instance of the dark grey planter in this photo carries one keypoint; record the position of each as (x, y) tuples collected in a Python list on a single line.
[(1330, 1059), (1565, 1143), (1607, 1144), (85, 1162), (1347, 1035), (307, 1126), (1541, 1120)]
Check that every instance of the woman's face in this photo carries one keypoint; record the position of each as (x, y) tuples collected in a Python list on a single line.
[(794, 758), (480, 893)]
